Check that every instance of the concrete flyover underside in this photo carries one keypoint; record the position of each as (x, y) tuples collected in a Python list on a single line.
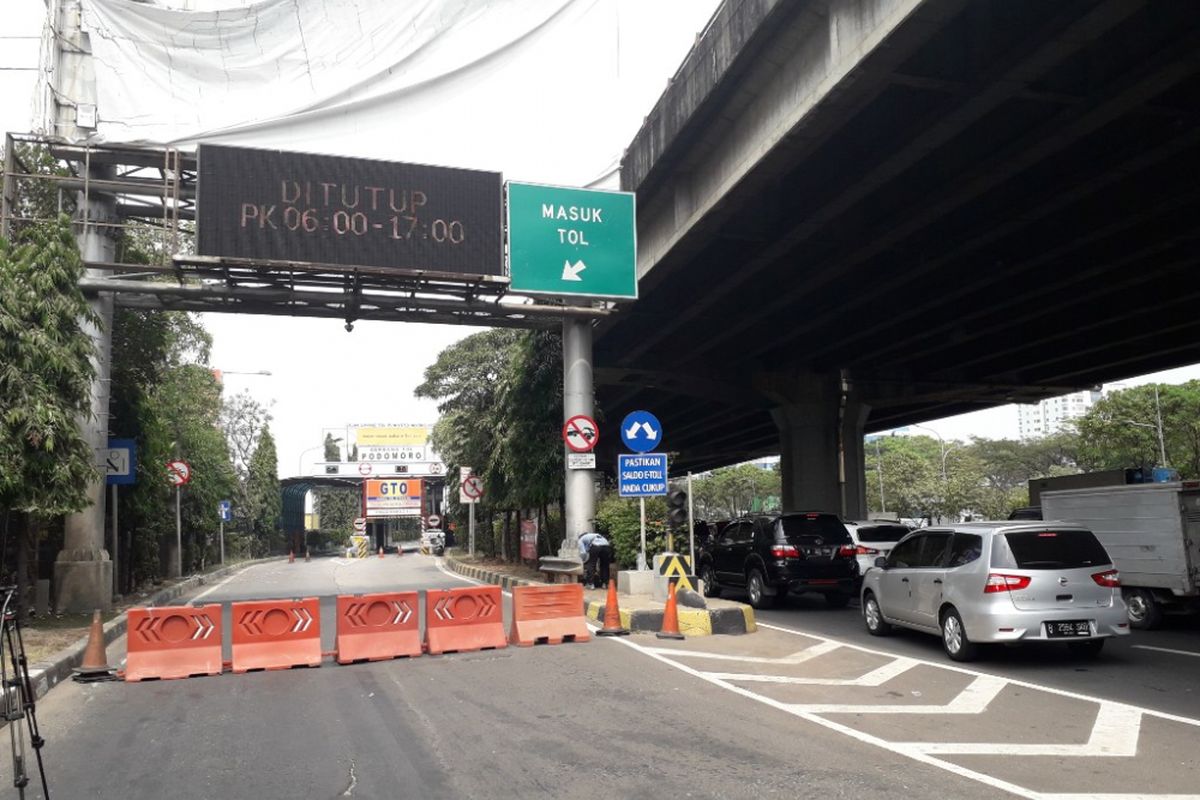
[(937, 205)]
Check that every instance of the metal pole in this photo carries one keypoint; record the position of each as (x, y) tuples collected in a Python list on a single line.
[(116, 543), (1162, 446), (578, 398), (471, 527), (178, 535), (691, 524), (222, 542), (642, 552), (879, 470)]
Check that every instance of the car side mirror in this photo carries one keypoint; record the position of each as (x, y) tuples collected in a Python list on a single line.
[(881, 562)]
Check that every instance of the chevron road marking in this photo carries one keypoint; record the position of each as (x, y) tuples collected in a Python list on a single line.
[(1115, 732), (876, 677)]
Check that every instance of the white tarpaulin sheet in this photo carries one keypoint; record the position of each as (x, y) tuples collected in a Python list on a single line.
[(539, 89)]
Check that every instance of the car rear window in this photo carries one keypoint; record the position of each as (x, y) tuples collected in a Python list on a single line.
[(1048, 550), (881, 533), (803, 528)]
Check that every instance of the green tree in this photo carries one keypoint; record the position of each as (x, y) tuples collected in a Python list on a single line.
[(619, 519), (731, 492), (338, 508), (262, 503), (45, 381), (1121, 430)]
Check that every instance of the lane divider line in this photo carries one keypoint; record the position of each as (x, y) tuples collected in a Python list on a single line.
[(799, 657), (1166, 650)]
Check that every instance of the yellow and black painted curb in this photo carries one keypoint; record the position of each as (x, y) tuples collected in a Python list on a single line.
[(692, 621)]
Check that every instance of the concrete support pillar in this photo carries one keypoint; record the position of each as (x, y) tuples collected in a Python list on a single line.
[(82, 571), (578, 398), (820, 420)]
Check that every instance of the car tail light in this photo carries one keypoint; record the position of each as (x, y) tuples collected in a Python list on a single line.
[(865, 551), (848, 551), (1004, 583), (785, 551), (1110, 578)]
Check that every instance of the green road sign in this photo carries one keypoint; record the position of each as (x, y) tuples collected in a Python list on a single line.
[(572, 242)]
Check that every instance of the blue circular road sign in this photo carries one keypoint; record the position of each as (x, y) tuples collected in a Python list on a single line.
[(641, 431)]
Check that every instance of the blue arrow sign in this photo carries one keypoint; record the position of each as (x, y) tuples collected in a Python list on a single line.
[(641, 431), (642, 475), (225, 509)]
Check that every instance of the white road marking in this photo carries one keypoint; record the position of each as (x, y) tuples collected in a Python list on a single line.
[(974, 699), (1166, 650), (209, 591), (876, 677), (1115, 733), (818, 649)]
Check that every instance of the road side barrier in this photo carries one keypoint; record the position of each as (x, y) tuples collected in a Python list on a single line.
[(548, 615), (276, 634), (458, 620), (374, 627), (173, 642)]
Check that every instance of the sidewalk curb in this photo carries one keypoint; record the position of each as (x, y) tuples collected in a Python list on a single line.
[(692, 621), (45, 675), (487, 576)]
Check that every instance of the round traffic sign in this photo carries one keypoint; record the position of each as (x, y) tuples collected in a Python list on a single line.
[(360, 524), (364, 468), (473, 487), (641, 431), (179, 472), (434, 521), (580, 433)]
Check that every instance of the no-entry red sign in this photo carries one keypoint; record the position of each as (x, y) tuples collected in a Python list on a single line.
[(580, 433)]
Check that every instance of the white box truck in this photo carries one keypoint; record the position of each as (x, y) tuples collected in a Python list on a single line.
[(1152, 532)]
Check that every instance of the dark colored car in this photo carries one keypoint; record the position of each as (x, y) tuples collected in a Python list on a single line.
[(772, 556)]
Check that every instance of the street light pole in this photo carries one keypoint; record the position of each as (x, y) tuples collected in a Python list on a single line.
[(1162, 446)]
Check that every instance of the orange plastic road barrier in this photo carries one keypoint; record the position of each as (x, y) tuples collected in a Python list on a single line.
[(173, 642), (276, 634), (548, 615), (612, 614), (670, 627), (374, 627), (458, 620)]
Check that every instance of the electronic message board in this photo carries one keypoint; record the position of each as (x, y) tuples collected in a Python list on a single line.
[(284, 206)]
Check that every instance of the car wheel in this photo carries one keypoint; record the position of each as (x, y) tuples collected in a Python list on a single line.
[(954, 637), (1144, 611), (836, 599), (756, 588), (876, 624), (1088, 649), (709, 579)]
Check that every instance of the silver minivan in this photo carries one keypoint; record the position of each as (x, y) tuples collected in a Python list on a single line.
[(983, 582)]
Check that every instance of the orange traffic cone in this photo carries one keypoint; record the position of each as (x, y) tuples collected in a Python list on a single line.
[(291, 556), (307, 557), (95, 663), (612, 614), (670, 628), (381, 552)]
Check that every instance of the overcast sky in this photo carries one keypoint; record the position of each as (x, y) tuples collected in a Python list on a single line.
[(323, 378)]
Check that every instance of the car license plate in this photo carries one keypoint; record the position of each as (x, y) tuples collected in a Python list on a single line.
[(1068, 628)]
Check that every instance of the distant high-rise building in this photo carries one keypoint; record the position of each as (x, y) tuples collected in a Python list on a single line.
[(1052, 415)]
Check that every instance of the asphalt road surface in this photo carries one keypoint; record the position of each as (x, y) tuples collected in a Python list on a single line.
[(823, 713)]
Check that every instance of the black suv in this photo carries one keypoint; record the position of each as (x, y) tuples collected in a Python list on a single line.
[(771, 556)]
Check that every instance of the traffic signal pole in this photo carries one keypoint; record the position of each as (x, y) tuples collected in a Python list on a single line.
[(578, 398)]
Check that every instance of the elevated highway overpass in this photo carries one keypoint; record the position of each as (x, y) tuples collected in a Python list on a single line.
[(857, 214)]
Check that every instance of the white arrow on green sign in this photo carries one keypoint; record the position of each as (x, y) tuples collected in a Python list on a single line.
[(576, 242)]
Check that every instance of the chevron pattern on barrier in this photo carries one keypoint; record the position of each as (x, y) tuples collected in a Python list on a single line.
[(173, 642), (276, 634), (458, 620), (375, 627)]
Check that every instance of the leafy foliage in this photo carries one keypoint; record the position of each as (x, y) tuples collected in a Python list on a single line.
[(1120, 430), (45, 373), (732, 492)]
